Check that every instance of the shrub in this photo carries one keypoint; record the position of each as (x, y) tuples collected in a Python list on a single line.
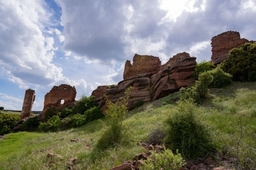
[(66, 112), (187, 134), (163, 160), (203, 67), (115, 114), (84, 104), (78, 120), (92, 114), (7, 122), (65, 123), (241, 62), (50, 112), (156, 137), (220, 78), (199, 91), (52, 124), (30, 124), (1, 108)]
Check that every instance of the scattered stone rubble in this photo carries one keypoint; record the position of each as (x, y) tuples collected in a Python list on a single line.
[(199, 164)]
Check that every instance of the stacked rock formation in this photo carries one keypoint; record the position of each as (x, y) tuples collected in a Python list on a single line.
[(223, 43), (149, 79)]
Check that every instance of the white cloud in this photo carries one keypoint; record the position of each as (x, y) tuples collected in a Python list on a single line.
[(96, 37), (10, 102), (25, 48)]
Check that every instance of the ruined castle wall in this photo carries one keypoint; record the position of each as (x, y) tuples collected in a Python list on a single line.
[(223, 43), (27, 103)]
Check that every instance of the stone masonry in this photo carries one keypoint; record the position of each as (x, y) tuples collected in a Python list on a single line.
[(27, 103), (59, 97), (223, 43)]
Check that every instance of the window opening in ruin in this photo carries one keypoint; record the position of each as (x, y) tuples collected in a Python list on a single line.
[(62, 101)]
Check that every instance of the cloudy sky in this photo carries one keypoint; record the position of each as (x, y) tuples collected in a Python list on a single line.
[(85, 43)]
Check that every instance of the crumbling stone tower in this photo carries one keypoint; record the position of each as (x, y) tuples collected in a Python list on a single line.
[(27, 103)]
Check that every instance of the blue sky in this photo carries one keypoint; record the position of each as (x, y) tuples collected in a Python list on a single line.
[(85, 43)]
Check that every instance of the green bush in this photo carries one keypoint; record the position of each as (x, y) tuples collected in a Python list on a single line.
[(241, 62), (163, 160), (187, 134), (93, 113), (7, 122), (84, 104), (78, 120), (203, 67), (66, 112), (156, 137), (115, 115), (199, 91), (1, 108), (30, 124), (220, 78), (65, 123), (52, 124), (50, 112)]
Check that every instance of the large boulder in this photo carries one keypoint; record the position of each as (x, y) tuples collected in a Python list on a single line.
[(152, 82)]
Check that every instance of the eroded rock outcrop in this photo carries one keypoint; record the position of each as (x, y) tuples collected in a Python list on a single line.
[(60, 97), (223, 43), (27, 104), (159, 81), (141, 64)]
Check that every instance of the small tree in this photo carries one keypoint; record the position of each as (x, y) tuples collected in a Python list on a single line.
[(199, 91), (187, 133), (115, 114), (203, 67), (84, 104), (241, 62)]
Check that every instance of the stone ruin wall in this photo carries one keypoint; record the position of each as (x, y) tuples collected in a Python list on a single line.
[(141, 64), (223, 43), (60, 97), (27, 104)]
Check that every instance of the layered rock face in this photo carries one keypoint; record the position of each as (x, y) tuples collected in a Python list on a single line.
[(59, 97), (152, 82), (223, 43)]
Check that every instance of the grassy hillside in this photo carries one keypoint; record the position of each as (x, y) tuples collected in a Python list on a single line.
[(229, 113)]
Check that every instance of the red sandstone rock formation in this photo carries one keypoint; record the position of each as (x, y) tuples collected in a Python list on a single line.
[(176, 73), (141, 64), (161, 80), (27, 103), (59, 97), (223, 43)]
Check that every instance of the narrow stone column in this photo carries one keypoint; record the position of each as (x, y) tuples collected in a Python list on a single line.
[(27, 103)]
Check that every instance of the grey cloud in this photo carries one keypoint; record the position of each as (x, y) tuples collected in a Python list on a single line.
[(219, 16), (97, 29)]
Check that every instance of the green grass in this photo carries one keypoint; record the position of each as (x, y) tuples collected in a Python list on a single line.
[(230, 114)]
